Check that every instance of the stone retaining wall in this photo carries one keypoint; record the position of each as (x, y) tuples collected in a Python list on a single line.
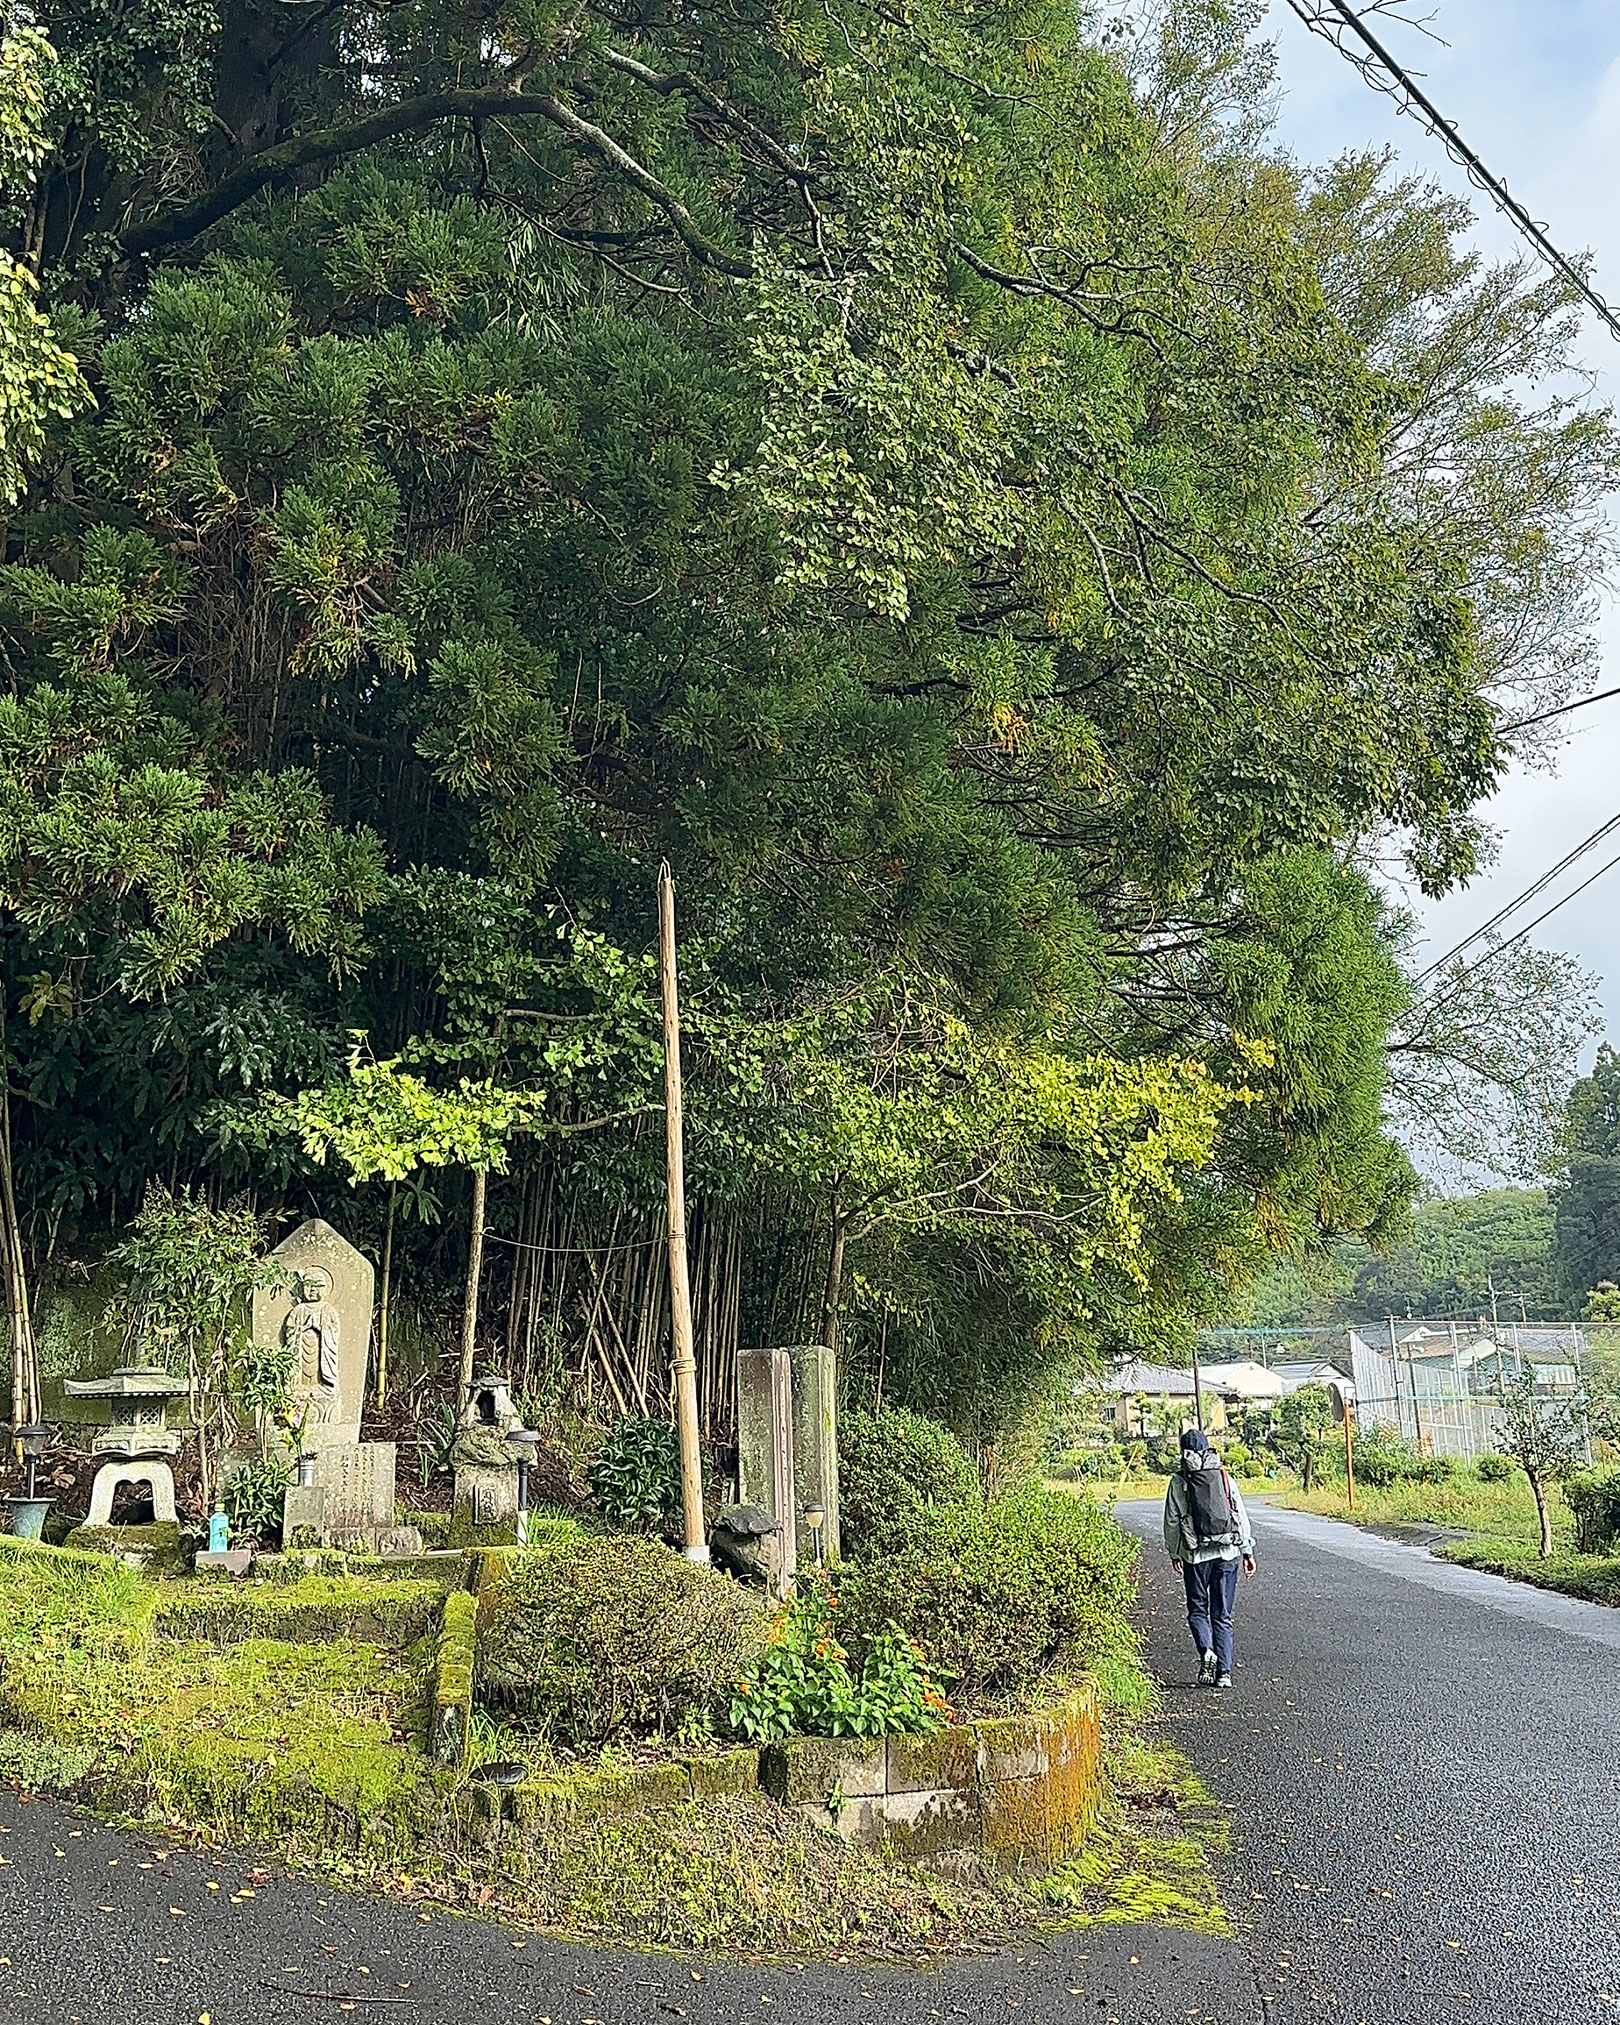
[(1025, 1789), (1022, 1789)]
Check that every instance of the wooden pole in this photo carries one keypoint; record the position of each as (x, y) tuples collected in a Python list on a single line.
[(680, 1288), (1349, 1455), (1198, 1387), (475, 1267)]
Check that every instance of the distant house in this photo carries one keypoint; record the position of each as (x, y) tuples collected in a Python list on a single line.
[(1323, 1372), (1245, 1380), (1149, 1396)]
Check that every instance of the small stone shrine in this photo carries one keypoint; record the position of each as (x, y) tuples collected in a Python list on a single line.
[(136, 1444), (486, 1494), (322, 1313)]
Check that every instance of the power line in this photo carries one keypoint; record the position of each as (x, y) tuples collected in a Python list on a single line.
[(1468, 969), (1386, 74), (1512, 907), (1563, 710)]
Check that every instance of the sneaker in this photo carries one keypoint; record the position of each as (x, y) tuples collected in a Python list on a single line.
[(1206, 1675), (1224, 1681)]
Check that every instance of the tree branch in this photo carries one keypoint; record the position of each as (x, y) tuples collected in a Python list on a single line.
[(272, 166)]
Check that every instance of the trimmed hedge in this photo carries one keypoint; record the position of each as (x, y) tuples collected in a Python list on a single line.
[(590, 1639), (899, 1475), (1007, 1601)]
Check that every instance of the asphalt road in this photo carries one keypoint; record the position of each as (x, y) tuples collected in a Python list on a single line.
[(110, 1929), (1423, 1769)]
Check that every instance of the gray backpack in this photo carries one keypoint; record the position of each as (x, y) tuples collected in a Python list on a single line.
[(1210, 1521)]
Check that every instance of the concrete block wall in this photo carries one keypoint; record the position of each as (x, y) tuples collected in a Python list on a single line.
[(1025, 1789)]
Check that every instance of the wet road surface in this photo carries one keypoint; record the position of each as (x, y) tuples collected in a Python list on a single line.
[(1423, 1769)]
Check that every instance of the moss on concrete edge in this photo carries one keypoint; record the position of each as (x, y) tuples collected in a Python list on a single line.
[(454, 1660)]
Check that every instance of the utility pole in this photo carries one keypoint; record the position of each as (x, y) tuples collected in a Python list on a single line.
[(684, 1366)]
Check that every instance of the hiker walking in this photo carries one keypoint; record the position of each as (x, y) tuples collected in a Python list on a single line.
[(1207, 1536)]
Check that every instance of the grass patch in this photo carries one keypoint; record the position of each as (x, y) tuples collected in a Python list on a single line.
[(301, 1744), (1595, 1578), (1500, 1511)]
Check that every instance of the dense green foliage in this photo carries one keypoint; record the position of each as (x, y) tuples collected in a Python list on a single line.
[(900, 1475), (1587, 1240), (1006, 538), (1455, 1249), (594, 1639), (1594, 1497), (635, 1475), (803, 1685), (1007, 1602)]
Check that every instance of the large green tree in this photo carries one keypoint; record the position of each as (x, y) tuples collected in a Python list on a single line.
[(1015, 549)]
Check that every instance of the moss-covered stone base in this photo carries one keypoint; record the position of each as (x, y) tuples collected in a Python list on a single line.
[(159, 1548)]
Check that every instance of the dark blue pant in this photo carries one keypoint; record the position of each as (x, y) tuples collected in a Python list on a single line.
[(1211, 1593)]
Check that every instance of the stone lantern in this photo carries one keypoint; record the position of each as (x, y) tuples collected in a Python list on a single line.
[(486, 1465), (135, 1445)]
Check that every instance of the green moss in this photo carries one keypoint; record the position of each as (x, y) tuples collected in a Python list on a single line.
[(314, 1609), (450, 1724), (735, 1872), (259, 1738), (1148, 1855)]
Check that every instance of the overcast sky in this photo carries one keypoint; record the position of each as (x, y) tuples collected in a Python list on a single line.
[(1534, 86)]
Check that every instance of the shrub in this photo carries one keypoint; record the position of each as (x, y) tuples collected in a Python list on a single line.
[(1594, 1498), (1237, 1458), (636, 1476), (253, 1494), (1006, 1600), (803, 1685), (591, 1639), (1492, 1468), (898, 1473), (1384, 1459)]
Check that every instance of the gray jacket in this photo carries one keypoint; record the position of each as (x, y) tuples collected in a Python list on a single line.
[(1175, 1511)]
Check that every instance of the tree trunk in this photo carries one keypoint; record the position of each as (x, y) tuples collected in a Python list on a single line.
[(1544, 1515), (25, 1400), (382, 1312), (832, 1292), (475, 1267)]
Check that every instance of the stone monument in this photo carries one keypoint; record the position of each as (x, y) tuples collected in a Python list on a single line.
[(815, 1444), (321, 1312), (765, 1458), (787, 1449)]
